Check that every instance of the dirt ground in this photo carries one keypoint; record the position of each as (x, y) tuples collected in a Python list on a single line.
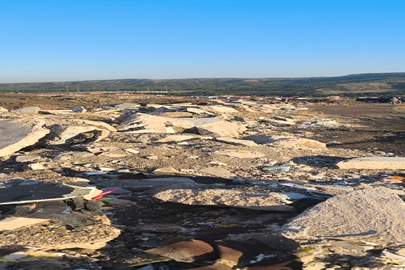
[(382, 126), (13, 101)]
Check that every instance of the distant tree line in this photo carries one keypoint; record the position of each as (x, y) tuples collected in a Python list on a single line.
[(227, 86)]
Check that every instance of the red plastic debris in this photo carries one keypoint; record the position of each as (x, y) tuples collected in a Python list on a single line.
[(102, 194)]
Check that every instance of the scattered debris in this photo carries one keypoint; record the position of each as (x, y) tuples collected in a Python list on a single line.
[(352, 216), (374, 163), (20, 133), (79, 109), (223, 197), (219, 185)]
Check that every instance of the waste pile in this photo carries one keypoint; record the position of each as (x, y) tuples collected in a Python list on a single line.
[(241, 185)]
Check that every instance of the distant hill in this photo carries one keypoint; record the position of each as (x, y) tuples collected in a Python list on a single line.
[(349, 85)]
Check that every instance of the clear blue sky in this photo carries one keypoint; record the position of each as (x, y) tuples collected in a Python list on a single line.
[(87, 40)]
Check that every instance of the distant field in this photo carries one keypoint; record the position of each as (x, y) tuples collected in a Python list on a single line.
[(354, 88), (350, 86)]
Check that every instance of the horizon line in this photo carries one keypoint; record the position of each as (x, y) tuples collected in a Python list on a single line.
[(205, 78)]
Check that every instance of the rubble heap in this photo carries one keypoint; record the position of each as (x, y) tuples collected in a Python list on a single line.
[(237, 185)]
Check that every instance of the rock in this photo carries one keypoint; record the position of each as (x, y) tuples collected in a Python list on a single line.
[(223, 197), (80, 134), (93, 173), (89, 237), (144, 123), (349, 248), (259, 138), (315, 266), (373, 163), (375, 215), (154, 191), (114, 155), (236, 141), (73, 131), (186, 251), (57, 112), (278, 123), (3, 110), (238, 180), (132, 151), (165, 170), (392, 257), (239, 118), (301, 143), (219, 172), (231, 252), (26, 158), (197, 111), (18, 134), (161, 109), (223, 109), (27, 110), (80, 122), (79, 109), (144, 138), (36, 166), (221, 129), (125, 115), (285, 119), (13, 223)]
